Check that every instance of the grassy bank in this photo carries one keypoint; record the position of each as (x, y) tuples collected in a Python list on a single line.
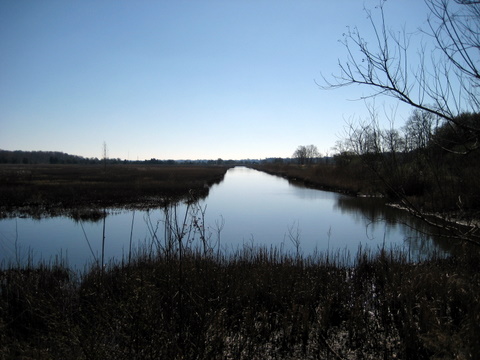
[(444, 202), (55, 189), (353, 181), (258, 304)]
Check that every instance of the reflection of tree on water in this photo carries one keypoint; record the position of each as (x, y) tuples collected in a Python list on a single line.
[(420, 238)]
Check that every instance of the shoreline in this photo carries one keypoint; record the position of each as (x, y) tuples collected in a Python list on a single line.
[(307, 182), (63, 190), (448, 217)]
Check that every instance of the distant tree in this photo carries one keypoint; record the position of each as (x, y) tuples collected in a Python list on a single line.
[(306, 154), (301, 154), (418, 129), (312, 153), (41, 157)]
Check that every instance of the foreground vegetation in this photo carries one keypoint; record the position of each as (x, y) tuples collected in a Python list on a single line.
[(257, 304), (45, 189)]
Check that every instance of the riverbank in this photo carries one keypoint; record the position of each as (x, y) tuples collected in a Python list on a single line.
[(322, 177), (461, 224), (53, 190), (258, 304)]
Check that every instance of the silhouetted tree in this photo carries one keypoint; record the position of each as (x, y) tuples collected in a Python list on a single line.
[(445, 85), (306, 154), (301, 154), (445, 91)]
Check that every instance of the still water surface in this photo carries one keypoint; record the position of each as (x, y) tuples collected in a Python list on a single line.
[(251, 207)]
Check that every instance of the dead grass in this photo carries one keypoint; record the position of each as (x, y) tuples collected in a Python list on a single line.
[(257, 304), (353, 180), (56, 189)]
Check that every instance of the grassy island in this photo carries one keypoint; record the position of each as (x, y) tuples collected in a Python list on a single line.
[(46, 189)]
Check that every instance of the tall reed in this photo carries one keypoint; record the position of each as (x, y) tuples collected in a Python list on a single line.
[(180, 297)]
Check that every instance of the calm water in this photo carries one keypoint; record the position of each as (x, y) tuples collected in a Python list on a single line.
[(250, 207)]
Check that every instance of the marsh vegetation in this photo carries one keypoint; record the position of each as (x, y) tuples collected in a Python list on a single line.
[(180, 296), (82, 190), (187, 303)]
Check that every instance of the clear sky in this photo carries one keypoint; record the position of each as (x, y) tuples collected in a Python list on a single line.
[(197, 79)]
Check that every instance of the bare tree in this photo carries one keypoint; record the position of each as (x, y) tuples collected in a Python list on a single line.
[(445, 85), (306, 154), (312, 153), (444, 89), (300, 154), (419, 129)]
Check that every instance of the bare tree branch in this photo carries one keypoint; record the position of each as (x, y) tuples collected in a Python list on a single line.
[(445, 85)]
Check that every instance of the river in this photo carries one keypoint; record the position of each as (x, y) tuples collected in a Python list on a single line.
[(247, 209)]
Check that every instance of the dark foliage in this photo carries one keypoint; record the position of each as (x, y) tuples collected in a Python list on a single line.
[(40, 190), (257, 304)]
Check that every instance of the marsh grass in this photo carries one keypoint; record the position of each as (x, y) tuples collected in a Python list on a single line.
[(180, 296), (255, 304), (353, 180), (80, 190)]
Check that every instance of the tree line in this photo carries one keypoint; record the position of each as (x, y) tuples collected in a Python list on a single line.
[(46, 157)]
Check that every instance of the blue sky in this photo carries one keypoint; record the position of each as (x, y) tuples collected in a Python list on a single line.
[(177, 79)]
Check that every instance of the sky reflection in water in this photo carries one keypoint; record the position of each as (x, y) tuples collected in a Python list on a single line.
[(256, 208)]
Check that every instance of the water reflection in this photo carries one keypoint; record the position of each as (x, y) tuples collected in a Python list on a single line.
[(419, 237), (251, 207)]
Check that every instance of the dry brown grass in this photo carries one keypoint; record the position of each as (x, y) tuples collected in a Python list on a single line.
[(49, 189), (353, 180), (257, 304)]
